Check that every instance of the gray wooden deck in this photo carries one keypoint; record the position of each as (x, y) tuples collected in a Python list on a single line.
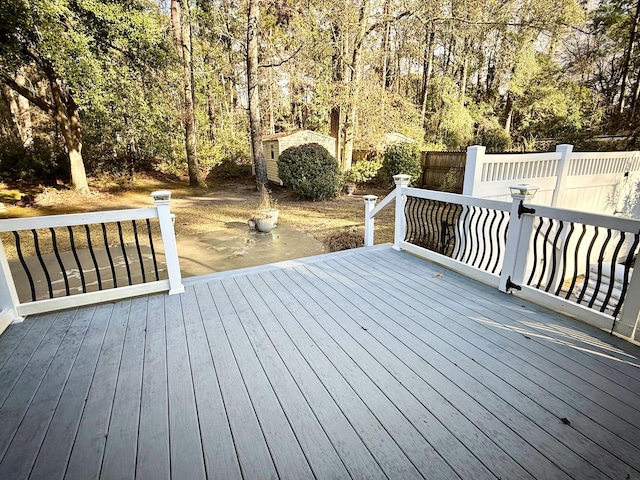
[(367, 364)]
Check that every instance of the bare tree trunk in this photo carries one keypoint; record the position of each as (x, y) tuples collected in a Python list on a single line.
[(182, 36), (627, 60), (385, 46), (355, 76), (338, 77), (634, 100), (255, 120), (463, 80), (508, 112), (430, 35)]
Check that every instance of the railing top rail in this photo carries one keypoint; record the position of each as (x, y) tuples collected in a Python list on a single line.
[(585, 218), (73, 219), (385, 201), (457, 198), (520, 157), (603, 155)]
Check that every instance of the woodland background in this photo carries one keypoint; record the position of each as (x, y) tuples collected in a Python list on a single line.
[(94, 87)]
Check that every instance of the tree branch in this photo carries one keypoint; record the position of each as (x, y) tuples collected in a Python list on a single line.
[(29, 95), (282, 61)]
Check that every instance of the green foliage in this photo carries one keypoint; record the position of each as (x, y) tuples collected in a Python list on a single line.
[(494, 137), (401, 158), (39, 163), (448, 120), (364, 170), (450, 181), (311, 171)]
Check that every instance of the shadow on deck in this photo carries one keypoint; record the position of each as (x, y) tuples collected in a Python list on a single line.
[(363, 364)]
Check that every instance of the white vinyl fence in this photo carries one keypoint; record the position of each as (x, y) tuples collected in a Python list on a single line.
[(597, 182)]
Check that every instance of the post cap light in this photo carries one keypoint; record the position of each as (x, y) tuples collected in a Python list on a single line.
[(370, 198), (523, 191), (160, 195), (402, 178)]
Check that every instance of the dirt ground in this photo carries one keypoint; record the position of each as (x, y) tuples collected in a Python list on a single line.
[(211, 224)]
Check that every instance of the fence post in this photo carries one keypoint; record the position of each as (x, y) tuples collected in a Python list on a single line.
[(402, 182), (519, 233), (562, 172), (473, 169), (8, 296), (369, 204), (161, 199)]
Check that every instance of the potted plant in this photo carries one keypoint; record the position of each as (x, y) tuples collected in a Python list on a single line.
[(350, 182), (265, 216)]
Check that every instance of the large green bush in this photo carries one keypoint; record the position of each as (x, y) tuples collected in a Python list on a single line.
[(310, 171), (401, 158)]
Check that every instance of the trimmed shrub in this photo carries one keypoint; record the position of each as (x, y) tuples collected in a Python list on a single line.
[(401, 158), (310, 171), (364, 170)]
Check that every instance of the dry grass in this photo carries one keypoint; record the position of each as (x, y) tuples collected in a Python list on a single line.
[(346, 240), (201, 211)]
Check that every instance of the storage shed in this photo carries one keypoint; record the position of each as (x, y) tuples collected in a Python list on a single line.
[(273, 145)]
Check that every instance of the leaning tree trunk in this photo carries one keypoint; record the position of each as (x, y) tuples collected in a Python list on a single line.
[(65, 112), (255, 120)]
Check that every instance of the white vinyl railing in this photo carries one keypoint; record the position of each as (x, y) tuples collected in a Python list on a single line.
[(577, 263), (97, 263)]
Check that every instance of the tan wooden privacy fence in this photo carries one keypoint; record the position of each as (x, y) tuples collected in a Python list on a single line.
[(436, 165)]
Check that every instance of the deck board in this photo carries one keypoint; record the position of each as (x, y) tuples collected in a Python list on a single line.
[(351, 448), (153, 459), (254, 456), (22, 453), (363, 364), (510, 332), (320, 453), (220, 456), (85, 459), (120, 452), (602, 433), (545, 412), (52, 458), (184, 428), (455, 434)]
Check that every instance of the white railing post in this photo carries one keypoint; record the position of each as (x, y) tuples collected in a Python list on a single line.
[(473, 169), (561, 173), (629, 320), (369, 203), (8, 296), (402, 182), (519, 234), (161, 199)]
